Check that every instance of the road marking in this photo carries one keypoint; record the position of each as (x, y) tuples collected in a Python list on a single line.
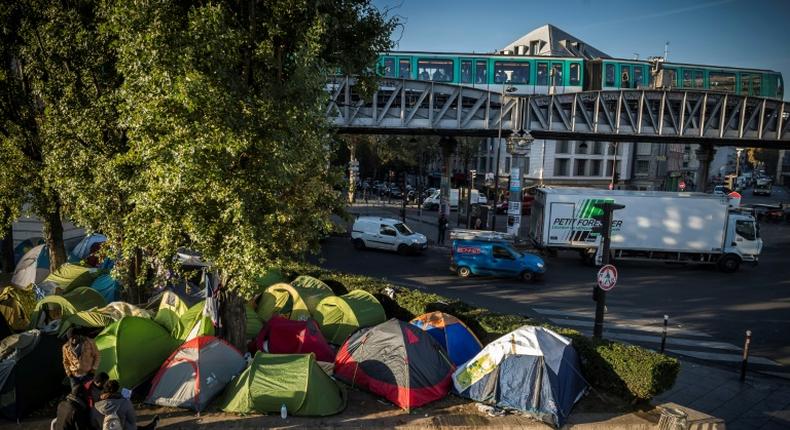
[(715, 356), (670, 340), (610, 323), (615, 317)]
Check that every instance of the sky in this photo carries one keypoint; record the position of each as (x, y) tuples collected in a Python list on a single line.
[(738, 33)]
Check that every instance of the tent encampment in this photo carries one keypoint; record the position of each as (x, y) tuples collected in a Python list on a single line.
[(283, 336), (296, 300), (70, 276), (132, 349), (293, 380), (339, 316), (85, 247), (17, 305), (57, 306), (195, 373), (397, 361), (459, 342), (31, 370), (33, 268), (531, 369), (108, 287)]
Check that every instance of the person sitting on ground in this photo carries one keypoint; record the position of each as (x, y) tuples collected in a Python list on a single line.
[(115, 412), (73, 412), (94, 387), (80, 357)]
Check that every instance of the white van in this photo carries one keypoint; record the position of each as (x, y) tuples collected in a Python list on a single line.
[(386, 233)]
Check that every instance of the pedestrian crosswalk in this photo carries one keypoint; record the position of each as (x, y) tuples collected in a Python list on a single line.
[(680, 341)]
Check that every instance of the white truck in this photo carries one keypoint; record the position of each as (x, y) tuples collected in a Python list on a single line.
[(655, 226)]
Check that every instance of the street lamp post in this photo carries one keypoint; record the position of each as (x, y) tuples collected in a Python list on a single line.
[(738, 163), (518, 145), (509, 89)]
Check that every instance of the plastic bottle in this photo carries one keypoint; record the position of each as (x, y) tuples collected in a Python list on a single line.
[(283, 411)]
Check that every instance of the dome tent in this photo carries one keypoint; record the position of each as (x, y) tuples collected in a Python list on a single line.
[(397, 361), (296, 300), (531, 369), (195, 373), (83, 249), (59, 306), (70, 276), (108, 287), (33, 268), (17, 305), (339, 316), (461, 344), (132, 349), (283, 336), (295, 380), (102, 317), (26, 245)]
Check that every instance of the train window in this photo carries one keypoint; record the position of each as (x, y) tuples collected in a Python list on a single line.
[(625, 77), (481, 72), (466, 72), (435, 70), (687, 79), (756, 85), (405, 68), (722, 81), (543, 73), (638, 77), (574, 77), (699, 79), (389, 67), (509, 71), (609, 75), (556, 73), (750, 82)]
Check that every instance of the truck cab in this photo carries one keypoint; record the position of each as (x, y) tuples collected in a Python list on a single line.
[(743, 242), (492, 257)]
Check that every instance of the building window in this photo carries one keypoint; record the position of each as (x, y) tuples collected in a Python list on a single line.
[(561, 147), (643, 148), (582, 148), (595, 167), (581, 167), (597, 148), (642, 167), (562, 167)]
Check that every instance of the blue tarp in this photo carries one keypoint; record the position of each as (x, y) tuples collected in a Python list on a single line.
[(108, 287)]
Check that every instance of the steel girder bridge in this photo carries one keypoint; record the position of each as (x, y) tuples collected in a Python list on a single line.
[(405, 106)]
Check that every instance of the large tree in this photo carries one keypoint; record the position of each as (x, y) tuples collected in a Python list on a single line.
[(223, 107)]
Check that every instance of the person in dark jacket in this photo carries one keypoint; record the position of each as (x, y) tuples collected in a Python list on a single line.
[(112, 402), (442, 228), (73, 411), (94, 388)]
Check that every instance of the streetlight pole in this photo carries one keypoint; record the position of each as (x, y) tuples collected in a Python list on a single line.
[(499, 150), (738, 162)]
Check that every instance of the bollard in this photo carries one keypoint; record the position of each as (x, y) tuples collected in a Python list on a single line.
[(746, 344), (664, 333)]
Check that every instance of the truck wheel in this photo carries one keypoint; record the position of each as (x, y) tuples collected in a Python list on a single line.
[(729, 263), (359, 244), (464, 272), (403, 249), (527, 276)]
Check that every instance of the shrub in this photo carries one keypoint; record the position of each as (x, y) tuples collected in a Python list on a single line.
[(628, 371)]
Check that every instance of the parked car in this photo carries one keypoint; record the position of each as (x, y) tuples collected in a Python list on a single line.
[(496, 258), (386, 233)]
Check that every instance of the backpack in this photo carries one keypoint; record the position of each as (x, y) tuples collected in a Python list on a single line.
[(112, 422)]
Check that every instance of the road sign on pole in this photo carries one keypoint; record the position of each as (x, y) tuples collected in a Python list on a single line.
[(607, 277)]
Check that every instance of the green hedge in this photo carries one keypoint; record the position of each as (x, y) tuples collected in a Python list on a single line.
[(628, 371)]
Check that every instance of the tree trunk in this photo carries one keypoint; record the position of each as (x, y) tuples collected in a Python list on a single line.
[(233, 317), (133, 290), (7, 253), (53, 237)]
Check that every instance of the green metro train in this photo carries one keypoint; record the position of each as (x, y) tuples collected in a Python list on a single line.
[(558, 75)]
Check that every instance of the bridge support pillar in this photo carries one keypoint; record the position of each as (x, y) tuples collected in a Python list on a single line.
[(447, 144), (705, 154)]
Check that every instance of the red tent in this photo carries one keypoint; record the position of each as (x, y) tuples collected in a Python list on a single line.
[(397, 361), (283, 336)]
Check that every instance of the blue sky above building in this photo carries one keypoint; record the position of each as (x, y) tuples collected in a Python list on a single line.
[(740, 33)]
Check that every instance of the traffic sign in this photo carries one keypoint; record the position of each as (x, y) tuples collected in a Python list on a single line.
[(607, 277), (682, 185)]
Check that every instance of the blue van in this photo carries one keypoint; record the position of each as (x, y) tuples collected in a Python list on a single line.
[(478, 257)]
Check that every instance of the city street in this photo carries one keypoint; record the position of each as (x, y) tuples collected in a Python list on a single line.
[(709, 311)]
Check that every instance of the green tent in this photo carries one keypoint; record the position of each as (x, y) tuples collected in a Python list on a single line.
[(296, 300), (132, 349), (295, 380), (193, 323), (102, 317), (171, 308), (339, 316), (70, 276), (57, 306), (17, 305)]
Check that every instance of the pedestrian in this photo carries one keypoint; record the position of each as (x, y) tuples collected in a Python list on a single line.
[(73, 412), (478, 223), (80, 358), (94, 388), (115, 412), (442, 228)]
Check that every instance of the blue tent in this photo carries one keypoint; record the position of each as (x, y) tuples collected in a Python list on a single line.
[(532, 369), (461, 344), (83, 249), (108, 287)]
